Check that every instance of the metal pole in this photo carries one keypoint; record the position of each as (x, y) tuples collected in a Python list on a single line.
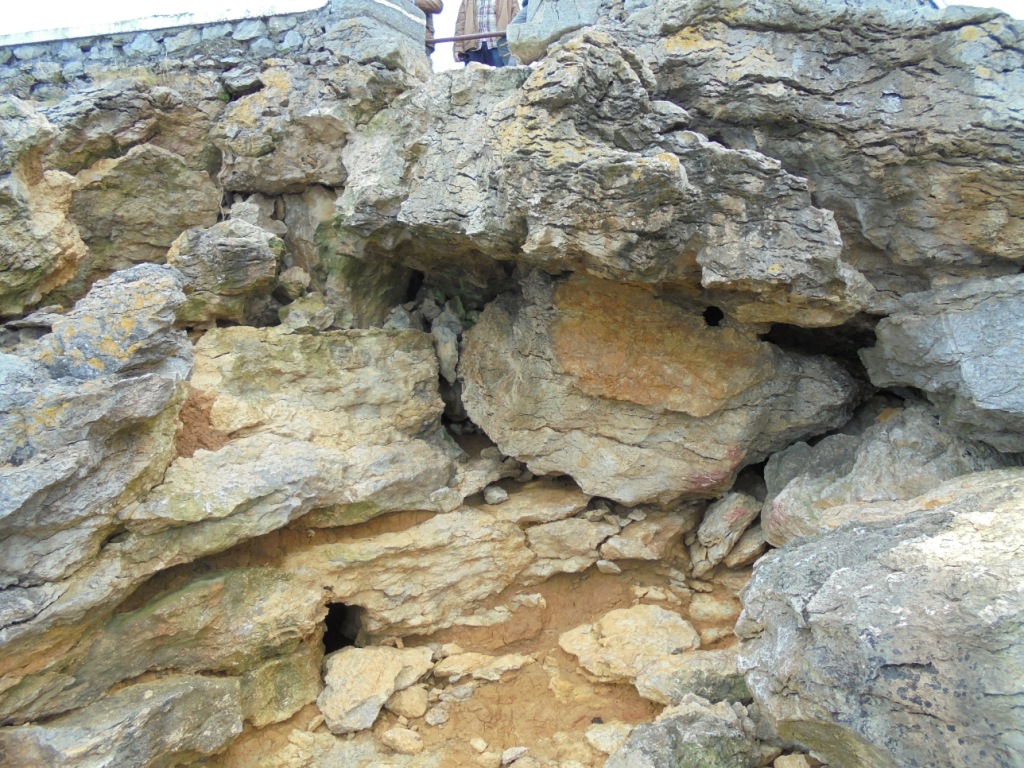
[(461, 38)]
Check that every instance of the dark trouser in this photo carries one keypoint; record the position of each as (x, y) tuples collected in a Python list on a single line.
[(489, 56)]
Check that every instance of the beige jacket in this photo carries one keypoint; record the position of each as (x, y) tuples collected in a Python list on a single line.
[(466, 23)]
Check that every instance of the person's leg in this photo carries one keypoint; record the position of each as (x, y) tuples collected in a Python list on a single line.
[(488, 56), (494, 57)]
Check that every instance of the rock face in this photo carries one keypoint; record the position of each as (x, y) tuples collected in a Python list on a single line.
[(535, 365), (229, 270), (922, 180), (356, 417), (888, 452), (591, 175), (692, 733), (957, 345), (869, 649), (90, 405), (39, 247)]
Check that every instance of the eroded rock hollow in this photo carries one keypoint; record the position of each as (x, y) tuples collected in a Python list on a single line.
[(654, 401)]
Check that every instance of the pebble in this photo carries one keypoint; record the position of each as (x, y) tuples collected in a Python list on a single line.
[(402, 740), (495, 494), (478, 744), (607, 566), (436, 716), (512, 754)]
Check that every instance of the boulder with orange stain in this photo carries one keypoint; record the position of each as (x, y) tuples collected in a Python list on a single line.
[(635, 397)]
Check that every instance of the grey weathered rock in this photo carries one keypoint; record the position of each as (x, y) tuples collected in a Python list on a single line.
[(958, 344), (551, 377), (87, 415), (898, 643), (887, 453), (130, 209), (229, 269), (193, 629), (290, 134), (724, 523), (308, 314), (924, 180), (693, 732), (146, 724), (566, 169), (547, 22), (712, 675), (40, 248)]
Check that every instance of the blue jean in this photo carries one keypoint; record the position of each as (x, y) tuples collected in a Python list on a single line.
[(489, 56)]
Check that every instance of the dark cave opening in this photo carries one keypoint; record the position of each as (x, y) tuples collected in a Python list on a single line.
[(342, 626), (713, 316)]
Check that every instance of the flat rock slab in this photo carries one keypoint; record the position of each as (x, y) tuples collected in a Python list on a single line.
[(623, 642)]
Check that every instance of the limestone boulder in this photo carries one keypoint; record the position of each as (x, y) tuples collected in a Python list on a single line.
[(624, 641), (192, 629), (130, 209), (107, 119), (649, 539), (724, 524), (925, 182), (177, 718), (40, 248), (479, 666), (693, 732), (290, 134), (421, 579), (958, 345), (565, 546), (544, 501), (87, 415), (898, 642), (358, 681), (638, 399), (891, 451), (710, 674), (574, 166), (229, 268)]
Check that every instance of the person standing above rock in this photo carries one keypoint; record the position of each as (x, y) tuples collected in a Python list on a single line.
[(481, 17), (429, 8)]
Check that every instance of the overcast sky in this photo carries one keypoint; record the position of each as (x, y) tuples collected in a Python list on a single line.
[(20, 16)]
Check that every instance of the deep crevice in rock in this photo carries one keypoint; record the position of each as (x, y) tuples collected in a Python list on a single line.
[(343, 626)]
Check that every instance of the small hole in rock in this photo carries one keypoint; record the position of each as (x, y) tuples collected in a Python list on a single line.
[(713, 316), (342, 626)]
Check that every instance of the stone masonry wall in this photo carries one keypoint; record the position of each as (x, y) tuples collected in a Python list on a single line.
[(360, 30)]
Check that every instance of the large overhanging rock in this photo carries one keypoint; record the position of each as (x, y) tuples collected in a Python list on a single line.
[(906, 121), (898, 643), (636, 398), (87, 424), (961, 345), (40, 248), (887, 453), (574, 167)]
